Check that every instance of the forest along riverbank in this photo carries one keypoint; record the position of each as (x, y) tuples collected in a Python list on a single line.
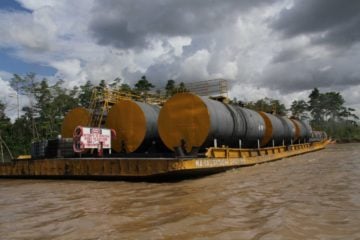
[(313, 196)]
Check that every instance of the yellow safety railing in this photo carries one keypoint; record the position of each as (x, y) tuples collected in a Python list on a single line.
[(103, 98)]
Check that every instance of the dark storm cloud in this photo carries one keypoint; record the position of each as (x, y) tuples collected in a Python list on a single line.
[(127, 24), (287, 55), (304, 74), (332, 22)]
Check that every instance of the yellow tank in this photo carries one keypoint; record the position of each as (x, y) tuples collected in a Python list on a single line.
[(135, 126), (75, 117), (268, 129), (184, 121)]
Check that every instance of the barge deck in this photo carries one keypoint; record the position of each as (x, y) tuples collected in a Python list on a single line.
[(216, 160)]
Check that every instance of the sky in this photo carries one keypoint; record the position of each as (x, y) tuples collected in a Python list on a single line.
[(278, 49)]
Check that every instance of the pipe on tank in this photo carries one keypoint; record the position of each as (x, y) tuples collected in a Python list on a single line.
[(135, 124)]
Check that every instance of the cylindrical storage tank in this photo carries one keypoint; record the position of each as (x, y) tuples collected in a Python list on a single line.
[(308, 130), (135, 124), (289, 129), (316, 135), (76, 117), (192, 122), (274, 129), (300, 131), (249, 126)]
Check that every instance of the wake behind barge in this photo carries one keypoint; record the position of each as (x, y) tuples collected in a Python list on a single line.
[(216, 160)]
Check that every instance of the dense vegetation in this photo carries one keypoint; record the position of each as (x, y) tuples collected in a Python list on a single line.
[(325, 111), (47, 104)]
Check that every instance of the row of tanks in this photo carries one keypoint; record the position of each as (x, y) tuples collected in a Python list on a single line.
[(188, 123)]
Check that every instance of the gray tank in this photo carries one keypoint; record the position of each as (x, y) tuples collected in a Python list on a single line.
[(221, 123), (289, 129), (249, 126), (189, 121), (302, 131)]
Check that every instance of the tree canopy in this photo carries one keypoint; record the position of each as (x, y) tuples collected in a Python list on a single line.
[(143, 85), (268, 105), (299, 109), (172, 88), (328, 113)]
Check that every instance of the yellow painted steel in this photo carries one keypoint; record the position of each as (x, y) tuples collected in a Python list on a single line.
[(218, 159), (77, 116), (102, 100), (192, 126), (268, 129), (128, 120), (24, 157), (297, 129)]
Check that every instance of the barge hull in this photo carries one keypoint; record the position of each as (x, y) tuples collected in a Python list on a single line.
[(217, 160)]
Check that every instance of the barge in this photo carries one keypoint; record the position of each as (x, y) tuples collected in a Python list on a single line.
[(188, 135), (216, 160)]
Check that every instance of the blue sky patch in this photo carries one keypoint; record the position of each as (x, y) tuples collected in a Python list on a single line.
[(11, 5), (12, 64)]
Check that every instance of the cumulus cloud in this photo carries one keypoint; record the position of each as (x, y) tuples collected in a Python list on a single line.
[(267, 48), (307, 72), (31, 34), (327, 21), (321, 46), (129, 24), (8, 95)]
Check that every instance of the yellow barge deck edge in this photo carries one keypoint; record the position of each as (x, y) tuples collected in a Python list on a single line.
[(217, 160)]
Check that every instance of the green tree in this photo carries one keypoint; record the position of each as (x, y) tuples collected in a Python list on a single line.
[(43, 110), (20, 135), (115, 85), (5, 134), (315, 107), (330, 115), (4, 120), (125, 88), (102, 84), (43, 116), (51, 104), (17, 83), (332, 104), (143, 85), (26, 86), (298, 109), (267, 105), (348, 114), (278, 107), (170, 87), (182, 87), (85, 94)]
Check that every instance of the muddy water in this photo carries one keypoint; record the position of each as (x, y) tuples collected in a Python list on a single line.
[(314, 196)]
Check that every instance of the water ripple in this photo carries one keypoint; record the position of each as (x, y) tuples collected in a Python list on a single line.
[(314, 196)]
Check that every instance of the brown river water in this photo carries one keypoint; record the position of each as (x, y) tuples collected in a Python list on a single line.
[(313, 196)]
